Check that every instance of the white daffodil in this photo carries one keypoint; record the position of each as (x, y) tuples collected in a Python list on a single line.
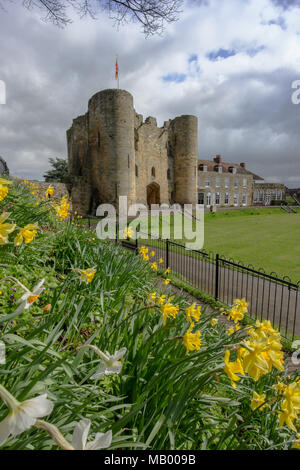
[(110, 364), (22, 415), (29, 297), (80, 435)]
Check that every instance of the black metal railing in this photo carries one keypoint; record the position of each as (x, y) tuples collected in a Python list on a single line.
[(269, 296)]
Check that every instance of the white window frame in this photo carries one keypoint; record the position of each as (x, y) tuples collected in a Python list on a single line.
[(207, 181), (244, 199), (236, 182), (227, 181), (245, 183), (208, 199), (226, 198), (236, 199), (218, 181)]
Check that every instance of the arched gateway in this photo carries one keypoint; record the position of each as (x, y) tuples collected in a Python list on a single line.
[(153, 194)]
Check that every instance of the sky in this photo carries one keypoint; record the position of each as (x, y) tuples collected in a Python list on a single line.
[(230, 63)]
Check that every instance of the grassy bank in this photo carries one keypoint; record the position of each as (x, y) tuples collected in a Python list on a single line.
[(110, 351)]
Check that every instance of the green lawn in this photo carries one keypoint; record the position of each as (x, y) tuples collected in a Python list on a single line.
[(268, 238)]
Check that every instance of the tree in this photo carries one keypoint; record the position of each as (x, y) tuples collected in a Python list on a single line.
[(152, 14), (60, 171)]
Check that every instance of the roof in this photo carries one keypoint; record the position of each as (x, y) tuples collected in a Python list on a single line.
[(211, 164)]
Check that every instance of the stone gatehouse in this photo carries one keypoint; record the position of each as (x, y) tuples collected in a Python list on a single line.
[(113, 151)]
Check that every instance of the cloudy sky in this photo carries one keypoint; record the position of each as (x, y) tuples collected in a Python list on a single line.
[(231, 63)]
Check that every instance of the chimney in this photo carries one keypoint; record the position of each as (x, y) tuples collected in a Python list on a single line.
[(218, 159), (243, 165)]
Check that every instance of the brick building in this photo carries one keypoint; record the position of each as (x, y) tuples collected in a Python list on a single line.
[(231, 184)]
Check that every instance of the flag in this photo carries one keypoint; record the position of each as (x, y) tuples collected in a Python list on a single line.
[(117, 70)]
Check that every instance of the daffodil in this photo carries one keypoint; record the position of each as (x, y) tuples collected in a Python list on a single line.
[(5, 229), (230, 331), (287, 416), (154, 266), (26, 234), (169, 310), (193, 312), (241, 305), (128, 232), (233, 368), (143, 250), (49, 191), (152, 297), (257, 400), (166, 282), (110, 364), (236, 315), (80, 435), (167, 271), (152, 253), (160, 260), (87, 275), (22, 415), (161, 299), (3, 188), (214, 321), (192, 341), (29, 297), (296, 444)]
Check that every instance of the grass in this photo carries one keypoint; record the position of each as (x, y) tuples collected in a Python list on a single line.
[(163, 397), (266, 238)]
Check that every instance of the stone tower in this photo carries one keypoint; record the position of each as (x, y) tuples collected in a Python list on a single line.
[(113, 152), (185, 151)]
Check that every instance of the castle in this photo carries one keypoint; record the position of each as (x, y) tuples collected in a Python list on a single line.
[(113, 152)]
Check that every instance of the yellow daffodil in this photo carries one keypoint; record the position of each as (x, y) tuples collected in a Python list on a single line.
[(296, 444), (152, 297), (192, 341), (26, 234), (257, 400), (3, 188), (154, 266), (167, 271), (160, 260), (233, 368), (193, 312), (279, 387), (87, 275), (169, 310), (161, 300), (152, 253), (166, 282), (143, 250), (230, 331), (287, 417), (128, 232), (5, 229), (62, 209), (49, 191), (214, 321), (241, 305), (236, 315)]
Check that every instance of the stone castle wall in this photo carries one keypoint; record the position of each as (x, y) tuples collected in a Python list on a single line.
[(112, 152)]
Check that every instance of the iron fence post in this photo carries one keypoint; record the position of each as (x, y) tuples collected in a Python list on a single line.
[(136, 243), (116, 232), (167, 253), (217, 278)]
